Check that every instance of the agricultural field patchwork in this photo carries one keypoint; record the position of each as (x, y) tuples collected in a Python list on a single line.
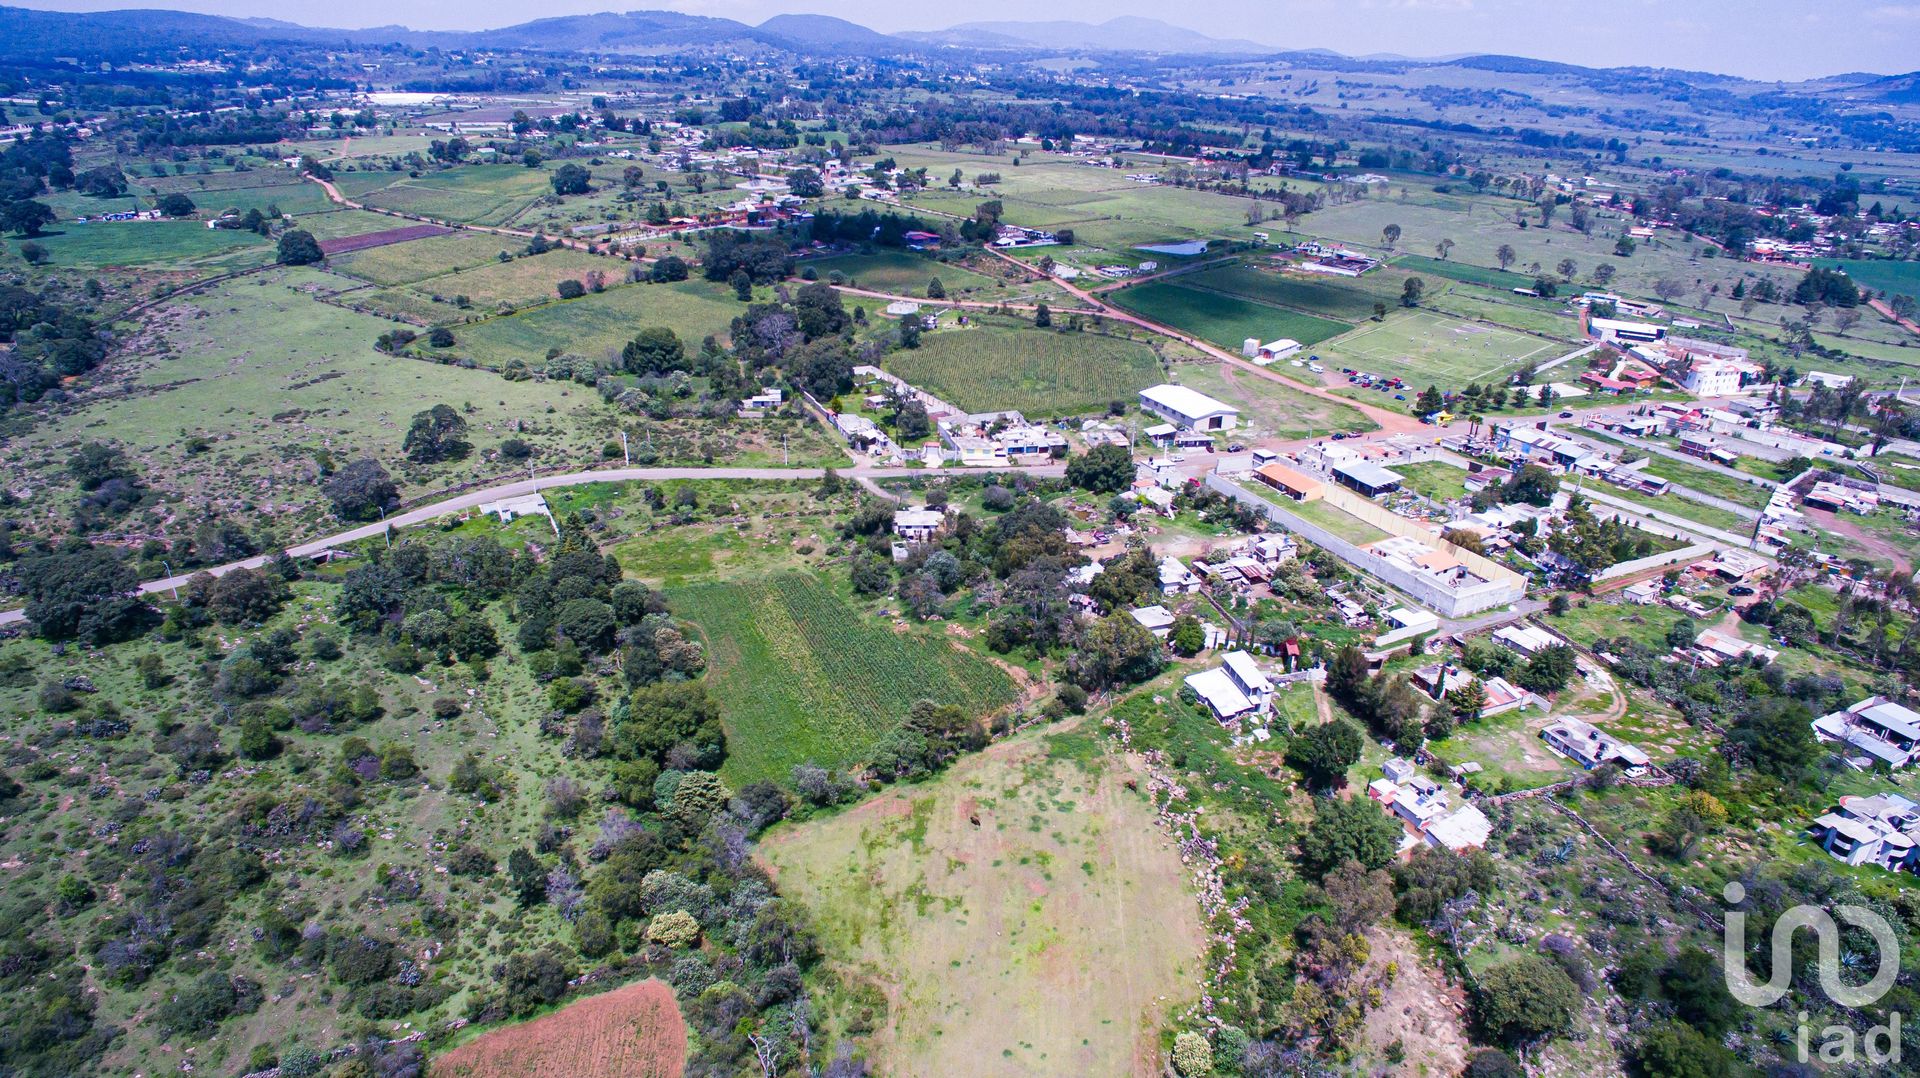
[(981, 903), (996, 364), (804, 677)]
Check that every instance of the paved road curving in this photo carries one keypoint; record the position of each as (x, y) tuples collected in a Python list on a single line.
[(472, 499)]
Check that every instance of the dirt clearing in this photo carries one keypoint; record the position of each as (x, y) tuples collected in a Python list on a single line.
[(1023, 917), (630, 1032)]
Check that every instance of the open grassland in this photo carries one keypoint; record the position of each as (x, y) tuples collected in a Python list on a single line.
[(406, 263), (528, 279), (1481, 224), (1461, 271), (336, 223), (803, 677), (1226, 321), (1429, 348), (631, 1032), (1022, 915), (1331, 297), (899, 272), (1879, 274), (273, 378), (1269, 408), (998, 364), (189, 245), (1102, 207), (597, 326), (472, 194)]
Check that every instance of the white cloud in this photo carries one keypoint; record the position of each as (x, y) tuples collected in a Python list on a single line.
[(1895, 13)]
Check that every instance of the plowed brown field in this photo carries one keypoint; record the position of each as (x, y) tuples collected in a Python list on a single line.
[(630, 1032)]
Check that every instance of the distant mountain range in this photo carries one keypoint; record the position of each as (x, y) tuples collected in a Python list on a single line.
[(34, 35), (1124, 34)]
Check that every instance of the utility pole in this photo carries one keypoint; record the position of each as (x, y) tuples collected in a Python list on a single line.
[(783, 450), (168, 566), (625, 453)]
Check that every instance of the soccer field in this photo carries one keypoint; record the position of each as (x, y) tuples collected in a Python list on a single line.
[(1425, 347)]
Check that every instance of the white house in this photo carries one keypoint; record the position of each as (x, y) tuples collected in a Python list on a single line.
[(1886, 731), (1590, 746), (1526, 639), (918, 525), (1176, 578), (1157, 620), (1188, 409), (1234, 688), (1465, 828), (1883, 830)]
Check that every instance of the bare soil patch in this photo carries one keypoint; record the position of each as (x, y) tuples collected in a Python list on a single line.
[(631, 1032)]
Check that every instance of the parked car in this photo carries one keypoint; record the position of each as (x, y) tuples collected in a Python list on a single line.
[(1566, 415), (1739, 589), (1399, 396), (1237, 447)]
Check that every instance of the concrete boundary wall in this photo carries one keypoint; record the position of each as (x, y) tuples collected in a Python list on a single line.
[(1655, 561), (1501, 585)]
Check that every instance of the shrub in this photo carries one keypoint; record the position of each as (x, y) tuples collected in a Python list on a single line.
[(676, 929), (1192, 1055)]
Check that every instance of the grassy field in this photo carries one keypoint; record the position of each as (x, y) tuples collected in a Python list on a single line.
[(1348, 527), (272, 377), (899, 272), (406, 263), (595, 326), (1225, 320), (999, 364), (473, 194), (1881, 275), (982, 903), (1427, 348), (528, 279), (1460, 271), (1693, 476), (1434, 478), (1334, 298), (802, 676), (171, 244), (1269, 408)]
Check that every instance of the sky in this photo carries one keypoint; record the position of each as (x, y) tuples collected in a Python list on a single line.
[(1761, 39)]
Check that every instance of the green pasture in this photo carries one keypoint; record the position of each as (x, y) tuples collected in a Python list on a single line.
[(1225, 320), (899, 272), (1330, 297), (1425, 347), (596, 326), (416, 260), (999, 364), (168, 244), (802, 676)]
